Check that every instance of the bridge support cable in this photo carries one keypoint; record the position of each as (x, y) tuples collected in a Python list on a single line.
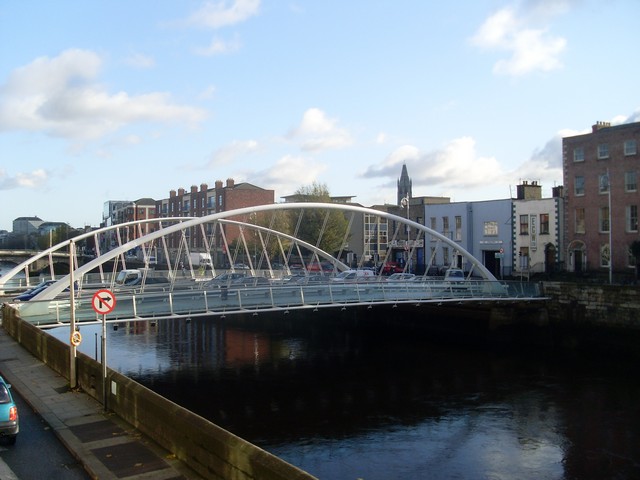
[(184, 223), (345, 239)]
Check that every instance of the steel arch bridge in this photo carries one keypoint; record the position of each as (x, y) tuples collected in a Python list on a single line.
[(188, 294)]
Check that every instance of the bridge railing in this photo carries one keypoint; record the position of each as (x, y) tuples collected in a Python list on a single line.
[(196, 300)]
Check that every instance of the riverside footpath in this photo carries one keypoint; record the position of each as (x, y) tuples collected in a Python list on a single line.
[(106, 446)]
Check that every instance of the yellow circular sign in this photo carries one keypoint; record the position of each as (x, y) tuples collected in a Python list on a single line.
[(76, 338)]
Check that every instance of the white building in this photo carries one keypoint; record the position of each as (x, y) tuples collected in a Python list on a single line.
[(537, 230)]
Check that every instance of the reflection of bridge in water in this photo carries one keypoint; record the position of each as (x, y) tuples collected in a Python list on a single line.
[(187, 290)]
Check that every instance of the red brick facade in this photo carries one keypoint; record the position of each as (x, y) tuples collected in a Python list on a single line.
[(589, 161), (199, 202)]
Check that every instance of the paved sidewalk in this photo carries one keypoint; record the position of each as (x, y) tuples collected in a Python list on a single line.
[(108, 447)]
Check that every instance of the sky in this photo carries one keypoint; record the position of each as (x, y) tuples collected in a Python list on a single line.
[(120, 100)]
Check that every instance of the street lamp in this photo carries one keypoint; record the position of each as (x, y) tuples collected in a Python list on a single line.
[(405, 204), (606, 183)]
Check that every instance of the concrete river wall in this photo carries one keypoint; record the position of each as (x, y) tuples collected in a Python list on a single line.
[(208, 449)]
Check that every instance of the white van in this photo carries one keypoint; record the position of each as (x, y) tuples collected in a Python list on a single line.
[(354, 276)]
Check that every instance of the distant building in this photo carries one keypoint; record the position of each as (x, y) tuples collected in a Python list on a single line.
[(46, 228), (538, 230), (600, 172), (26, 225), (483, 228), (117, 212), (399, 241), (404, 185), (203, 201)]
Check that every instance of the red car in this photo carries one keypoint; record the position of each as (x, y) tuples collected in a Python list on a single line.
[(391, 267)]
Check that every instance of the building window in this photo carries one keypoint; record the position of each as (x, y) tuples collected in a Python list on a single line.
[(604, 255), (630, 147), (578, 154), (445, 255), (458, 228), (631, 260), (491, 229), (580, 220), (603, 219), (630, 182), (220, 200), (632, 218), (544, 224), (445, 226), (603, 183), (433, 223), (524, 224), (603, 151), (578, 188)]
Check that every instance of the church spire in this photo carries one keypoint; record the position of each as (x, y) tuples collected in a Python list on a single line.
[(404, 184)]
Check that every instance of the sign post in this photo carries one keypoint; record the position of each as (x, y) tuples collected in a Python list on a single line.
[(103, 302)]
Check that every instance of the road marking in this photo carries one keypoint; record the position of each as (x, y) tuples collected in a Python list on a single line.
[(5, 472)]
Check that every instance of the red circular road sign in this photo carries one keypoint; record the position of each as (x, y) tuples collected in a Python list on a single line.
[(103, 301)]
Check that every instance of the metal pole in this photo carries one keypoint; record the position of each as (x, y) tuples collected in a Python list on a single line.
[(104, 362), (73, 378), (610, 233)]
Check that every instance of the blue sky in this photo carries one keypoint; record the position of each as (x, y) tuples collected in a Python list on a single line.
[(118, 100)]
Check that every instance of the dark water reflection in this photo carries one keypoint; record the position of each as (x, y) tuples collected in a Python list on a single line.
[(349, 403)]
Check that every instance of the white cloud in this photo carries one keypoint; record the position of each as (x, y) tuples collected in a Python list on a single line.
[(531, 49), (219, 47), (208, 93), (458, 167), (229, 153), (219, 14), (139, 60), (544, 166), (317, 132), (34, 179), (288, 174), (60, 97)]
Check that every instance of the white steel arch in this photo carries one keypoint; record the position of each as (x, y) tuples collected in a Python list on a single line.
[(183, 223)]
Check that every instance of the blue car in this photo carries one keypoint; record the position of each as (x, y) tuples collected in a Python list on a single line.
[(9, 424), (32, 292)]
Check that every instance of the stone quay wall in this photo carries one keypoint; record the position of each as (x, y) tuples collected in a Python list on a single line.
[(208, 449), (598, 318)]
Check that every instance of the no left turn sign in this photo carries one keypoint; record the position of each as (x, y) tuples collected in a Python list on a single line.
[(103, 301)]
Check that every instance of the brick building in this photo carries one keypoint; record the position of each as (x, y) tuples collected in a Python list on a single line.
[(601, 198), (202, 201)]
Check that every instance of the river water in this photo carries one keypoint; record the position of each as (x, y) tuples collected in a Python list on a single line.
[(354, 402)]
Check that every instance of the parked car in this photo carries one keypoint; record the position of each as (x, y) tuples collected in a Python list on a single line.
[(401, 277), (33, 291), (313, 279), (226, 279), (320, 267), (454, 275), (9, 421), (354, 276), (389, 268)]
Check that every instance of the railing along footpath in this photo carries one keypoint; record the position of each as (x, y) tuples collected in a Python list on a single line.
[(191, 299)]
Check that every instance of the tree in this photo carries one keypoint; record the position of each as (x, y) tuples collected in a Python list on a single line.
[(311, 227)]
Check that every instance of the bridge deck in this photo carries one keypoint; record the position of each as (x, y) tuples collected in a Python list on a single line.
[(157, 302)]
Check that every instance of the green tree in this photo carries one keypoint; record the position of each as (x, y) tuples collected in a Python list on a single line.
[(324, 228)]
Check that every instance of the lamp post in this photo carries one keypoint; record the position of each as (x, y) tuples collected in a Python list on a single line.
[(405, 204), (605, 182), (610, 231)]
